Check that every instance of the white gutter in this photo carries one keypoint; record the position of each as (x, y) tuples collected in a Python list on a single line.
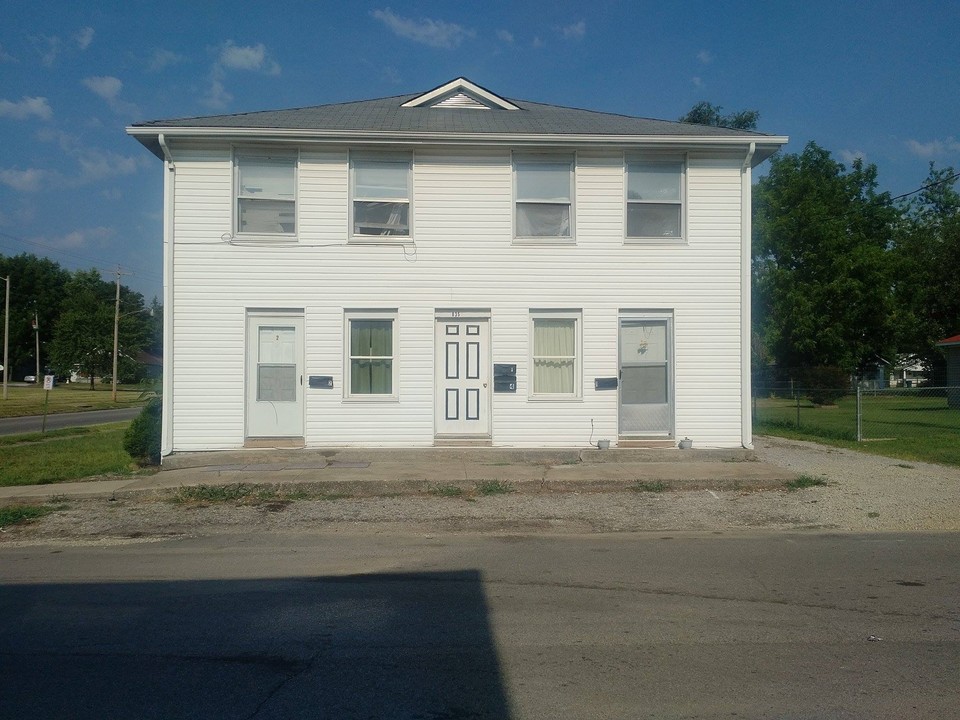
[(768, 143), (169, 188), (746, 255)]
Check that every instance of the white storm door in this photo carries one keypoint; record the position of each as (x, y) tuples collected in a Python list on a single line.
[(646, 377), (274, 394), (462, 370)]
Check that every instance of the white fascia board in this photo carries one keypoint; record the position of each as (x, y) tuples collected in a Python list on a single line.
[(766, 145)]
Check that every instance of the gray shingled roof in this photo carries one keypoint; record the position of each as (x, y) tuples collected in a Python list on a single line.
[(387, 115)]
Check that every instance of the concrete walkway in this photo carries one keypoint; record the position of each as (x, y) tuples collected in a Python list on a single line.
[(365, 471)]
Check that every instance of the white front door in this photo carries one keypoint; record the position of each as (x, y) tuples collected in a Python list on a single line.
[(646, 376), (462, 370), (274, 387)]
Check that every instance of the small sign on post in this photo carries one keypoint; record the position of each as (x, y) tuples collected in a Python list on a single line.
[(47, 386)]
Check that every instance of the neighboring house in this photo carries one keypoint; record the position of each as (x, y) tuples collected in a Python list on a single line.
[(907, 373), (951, 347), (454, 268)]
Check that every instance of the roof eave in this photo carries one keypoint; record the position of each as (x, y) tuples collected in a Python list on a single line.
[(766, 145)]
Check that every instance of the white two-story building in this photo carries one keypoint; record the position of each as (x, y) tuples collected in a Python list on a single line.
[(454, 268)]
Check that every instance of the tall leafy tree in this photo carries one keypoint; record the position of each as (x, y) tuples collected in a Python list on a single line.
[(83, 335), (822, 279), (705, 113), (926, 255), (36, 286)]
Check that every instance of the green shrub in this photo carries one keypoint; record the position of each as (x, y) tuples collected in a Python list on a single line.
[(142, 439)]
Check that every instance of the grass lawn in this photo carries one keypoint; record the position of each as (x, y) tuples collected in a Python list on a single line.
[(906, 426), (63, 455), (74, 397)]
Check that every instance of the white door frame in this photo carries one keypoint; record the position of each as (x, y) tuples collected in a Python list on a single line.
[(273, 418), (666, 411), (470, 373)]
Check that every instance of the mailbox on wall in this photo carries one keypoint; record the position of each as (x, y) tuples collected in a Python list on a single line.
[(505, 377), (324, 382), (607, 383)]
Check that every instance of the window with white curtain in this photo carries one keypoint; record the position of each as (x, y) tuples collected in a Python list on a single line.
[(266, 192), (380, 195), (371, 354), (554, 345), (543, 189), (655, 191)]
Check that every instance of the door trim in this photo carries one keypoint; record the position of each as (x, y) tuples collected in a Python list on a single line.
[(464, 315), (666, 316), (295, 315)]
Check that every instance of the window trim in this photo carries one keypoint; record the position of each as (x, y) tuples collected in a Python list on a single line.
[(655, 159), (390, 156), (548, 314), (253, 152), (387, 314), (556, 158)]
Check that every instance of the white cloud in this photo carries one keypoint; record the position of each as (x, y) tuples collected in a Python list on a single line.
[(537, 42), (80, 238), (6, 57), (697, 81), (247, 57), (161, 59), (106, 86), (28, 180), (84, 37), (28, 107), (217, 97), (426, 31), (575, 31), (934, 148), (99, 164), (505, 35), (48, 47), (849, 156), (705, 56)]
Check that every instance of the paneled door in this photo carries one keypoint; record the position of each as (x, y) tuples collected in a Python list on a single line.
[(274, 392), (462, 370), (646, 377)]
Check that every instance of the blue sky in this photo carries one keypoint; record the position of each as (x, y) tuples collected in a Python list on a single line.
[(875, 79)]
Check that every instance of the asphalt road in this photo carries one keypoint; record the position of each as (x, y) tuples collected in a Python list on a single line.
[(55, 421), (367, 623)]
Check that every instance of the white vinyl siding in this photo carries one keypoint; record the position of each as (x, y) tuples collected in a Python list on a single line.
[(466, 257)]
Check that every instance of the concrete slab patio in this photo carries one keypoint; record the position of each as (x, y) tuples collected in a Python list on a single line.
[(367, 472)]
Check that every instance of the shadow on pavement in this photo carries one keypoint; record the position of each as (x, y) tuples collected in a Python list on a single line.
[(415, 645)]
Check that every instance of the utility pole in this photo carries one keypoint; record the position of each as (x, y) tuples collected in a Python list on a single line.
[(116, 338), (36, 332), (6, 336)]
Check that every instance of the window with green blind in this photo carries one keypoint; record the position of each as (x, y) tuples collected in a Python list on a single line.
[(555, 354), (371, 361)]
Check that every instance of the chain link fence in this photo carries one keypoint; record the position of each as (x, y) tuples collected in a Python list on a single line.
[(860, 414)]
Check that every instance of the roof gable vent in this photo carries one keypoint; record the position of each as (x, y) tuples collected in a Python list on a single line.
[(460, 93)]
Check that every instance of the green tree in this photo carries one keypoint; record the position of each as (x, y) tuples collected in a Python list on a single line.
[(926, 255), (704, 113), (83, 334), (36, 285), (823, 295)]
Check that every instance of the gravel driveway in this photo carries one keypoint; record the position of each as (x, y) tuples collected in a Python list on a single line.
[(863, 493)]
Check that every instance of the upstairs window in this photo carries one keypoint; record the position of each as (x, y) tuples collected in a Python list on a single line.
[(655, 199), (543, 186), (266, 194), (380, 192)]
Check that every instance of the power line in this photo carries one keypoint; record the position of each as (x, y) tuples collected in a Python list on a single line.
[(83, 258), (928, 185)]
